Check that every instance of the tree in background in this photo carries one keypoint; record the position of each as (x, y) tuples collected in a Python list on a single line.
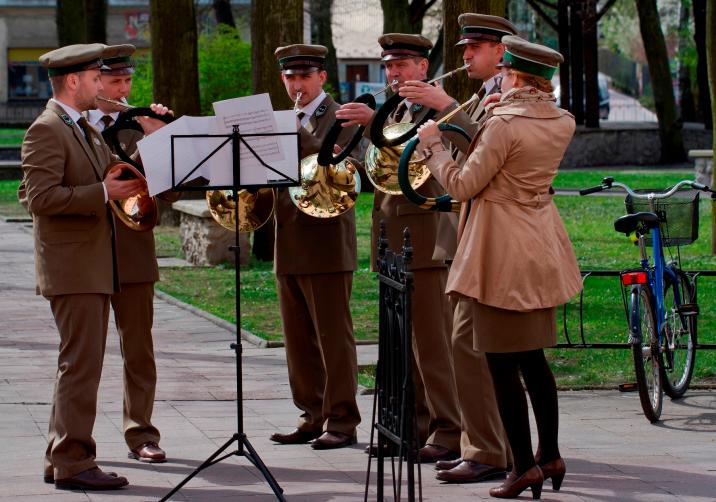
[(81, 21), (274, 23), (670, 126), (322, 34), (702, 79), (710, 26), (459, 86), (174, 55)]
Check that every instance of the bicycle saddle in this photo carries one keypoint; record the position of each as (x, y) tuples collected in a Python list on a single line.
[(630, 222)]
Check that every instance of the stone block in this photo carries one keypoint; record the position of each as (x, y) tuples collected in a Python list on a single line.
[(205, 242), (703, 165)]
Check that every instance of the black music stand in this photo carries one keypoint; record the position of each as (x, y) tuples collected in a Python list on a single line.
[(244, 448)]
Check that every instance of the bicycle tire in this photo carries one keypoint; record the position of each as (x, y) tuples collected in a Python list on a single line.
[(678, 358), (645, 345)]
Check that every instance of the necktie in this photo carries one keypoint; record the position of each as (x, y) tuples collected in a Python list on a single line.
[(400, 111), (107, 121), (84, 125), (300, 116)]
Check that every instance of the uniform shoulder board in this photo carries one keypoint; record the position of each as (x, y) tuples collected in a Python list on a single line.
[(321, 110), (416, 108), (67, 120)]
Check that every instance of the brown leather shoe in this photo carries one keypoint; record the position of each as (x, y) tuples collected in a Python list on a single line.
[(446, 465), (514, 485), (470, 472), (556, 469), (91, 479), (389, 450), (296, 436), (330, 440), (432, 453), (50, 478), (148, 452)]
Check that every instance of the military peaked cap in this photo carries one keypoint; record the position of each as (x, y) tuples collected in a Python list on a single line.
[(530, 58), (403, 46), (301, 58), (73, 58), (481, 27), (118, 59)]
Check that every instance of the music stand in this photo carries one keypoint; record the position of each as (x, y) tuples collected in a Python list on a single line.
[(244, 448)]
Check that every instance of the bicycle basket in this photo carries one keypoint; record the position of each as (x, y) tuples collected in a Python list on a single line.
[(679, 215)]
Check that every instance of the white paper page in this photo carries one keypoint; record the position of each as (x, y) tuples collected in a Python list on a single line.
[(254, 115), (155, 151), (286, 122)]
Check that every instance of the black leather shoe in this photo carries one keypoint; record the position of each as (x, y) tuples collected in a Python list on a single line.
[(330, 440), (50, 478), (91, 479), (296, 436), (471, 472), (446, 465), (432, 453)]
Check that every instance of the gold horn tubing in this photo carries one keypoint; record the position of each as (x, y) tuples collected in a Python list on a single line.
[(457, 110), (123, 105), (449, 74), (138, 212)]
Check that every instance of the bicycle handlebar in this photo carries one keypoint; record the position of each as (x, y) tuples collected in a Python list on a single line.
[(608, 183)]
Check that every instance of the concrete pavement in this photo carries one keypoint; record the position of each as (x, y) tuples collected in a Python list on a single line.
[(612, 453)]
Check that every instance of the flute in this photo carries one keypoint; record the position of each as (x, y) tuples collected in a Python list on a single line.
[(298, 98)]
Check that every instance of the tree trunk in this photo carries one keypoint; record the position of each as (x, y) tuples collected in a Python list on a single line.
[(275, 23), (322, 34), (96, 12), (71, 22), (402, 16), (702, 77), (174, 55), (591, 65), (577, 60), (710, 59), (686, 101), (670, 127), (437, 53), (459, 86), (223, 13)]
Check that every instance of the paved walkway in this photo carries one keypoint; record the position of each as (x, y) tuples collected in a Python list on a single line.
[(612, 453)]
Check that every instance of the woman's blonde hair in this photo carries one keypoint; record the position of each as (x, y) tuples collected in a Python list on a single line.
[(539, 83)]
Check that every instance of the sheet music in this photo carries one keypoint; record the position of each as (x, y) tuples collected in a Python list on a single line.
[(155, 151)]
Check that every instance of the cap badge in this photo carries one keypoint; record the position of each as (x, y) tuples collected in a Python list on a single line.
[(416, 108)]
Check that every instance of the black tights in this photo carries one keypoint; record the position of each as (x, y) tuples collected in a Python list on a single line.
[(505, 369)]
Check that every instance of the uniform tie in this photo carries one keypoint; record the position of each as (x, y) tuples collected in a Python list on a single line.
[(107, 121), (84, 125), (300, 116), (400, 111)]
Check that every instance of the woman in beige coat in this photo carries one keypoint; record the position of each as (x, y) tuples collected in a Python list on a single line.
[(514, 257)]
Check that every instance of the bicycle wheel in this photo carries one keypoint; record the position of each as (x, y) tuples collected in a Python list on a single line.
[(678, 345), (645, 351)]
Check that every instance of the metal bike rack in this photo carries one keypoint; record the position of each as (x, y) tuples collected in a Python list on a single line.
[(582, 343)]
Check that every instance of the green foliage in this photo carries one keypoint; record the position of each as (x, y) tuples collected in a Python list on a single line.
[(224, 66), (224, 70), (142, 92)]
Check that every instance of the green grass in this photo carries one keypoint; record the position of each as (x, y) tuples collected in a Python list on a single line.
[(11, 137), (167, 242), (9, 205), (643, 178)]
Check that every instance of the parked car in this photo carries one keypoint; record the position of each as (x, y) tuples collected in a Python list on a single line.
[(603, 86)]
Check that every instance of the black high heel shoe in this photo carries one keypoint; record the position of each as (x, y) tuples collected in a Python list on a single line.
[(556, 469), (514, 485)]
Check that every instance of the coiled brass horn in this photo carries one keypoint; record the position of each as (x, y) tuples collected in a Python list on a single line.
[(325, 155), (326, 191), (377, 136)]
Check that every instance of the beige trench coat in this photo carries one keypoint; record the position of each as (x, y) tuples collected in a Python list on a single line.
[(515, 253)]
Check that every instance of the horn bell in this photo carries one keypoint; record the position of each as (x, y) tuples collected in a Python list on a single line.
[(326, 191), (138, 212), (381, 164), (254, 208)]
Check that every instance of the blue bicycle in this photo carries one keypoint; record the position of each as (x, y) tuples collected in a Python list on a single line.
[(662, 309)]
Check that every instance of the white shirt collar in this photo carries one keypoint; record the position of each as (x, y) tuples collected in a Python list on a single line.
[(74, 114), (95, 118), (310, 108)]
